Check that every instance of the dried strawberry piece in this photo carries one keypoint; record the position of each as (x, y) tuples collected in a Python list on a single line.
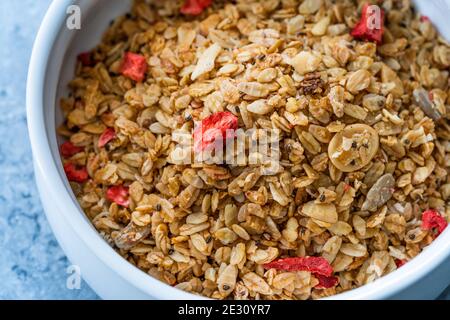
[(119, 195), (432, 220), (108, 135), (220, 125), (366, 29), (134, 66), (76, 174), (86, 59), (68, 149), (317, 265), (195, 7), (326, 282), (424, 19), (400, 262)]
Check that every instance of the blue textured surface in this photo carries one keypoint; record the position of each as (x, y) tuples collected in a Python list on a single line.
[(32, 265)]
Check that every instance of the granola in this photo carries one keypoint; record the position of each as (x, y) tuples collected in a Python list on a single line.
[(361, 186)]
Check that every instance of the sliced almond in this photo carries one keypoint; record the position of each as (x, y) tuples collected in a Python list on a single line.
[(206, 61)]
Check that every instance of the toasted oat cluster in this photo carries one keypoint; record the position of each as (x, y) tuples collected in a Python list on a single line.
[(361, 183)]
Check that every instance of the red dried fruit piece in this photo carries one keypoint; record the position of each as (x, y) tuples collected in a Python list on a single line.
[(316, 265), (107, 135), (432, 220), (371, 25), (326, 282), (195, 7), (76, 174), (134, 66), (400, 262), (424, 19), (220, 125), (119, 195), (86, 59), (68, 149)]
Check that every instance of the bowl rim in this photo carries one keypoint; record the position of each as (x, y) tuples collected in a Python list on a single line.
[(49, 30)]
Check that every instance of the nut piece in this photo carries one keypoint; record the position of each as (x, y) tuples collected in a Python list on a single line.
[(422, 98), (206, 61), (354, 147), (380, 193), (325, 212), (131, 236), (305, 62)]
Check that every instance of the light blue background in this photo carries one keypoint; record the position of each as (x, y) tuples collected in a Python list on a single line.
[(32, 265)]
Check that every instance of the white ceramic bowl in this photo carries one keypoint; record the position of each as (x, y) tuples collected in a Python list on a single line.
[(51, 67)]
